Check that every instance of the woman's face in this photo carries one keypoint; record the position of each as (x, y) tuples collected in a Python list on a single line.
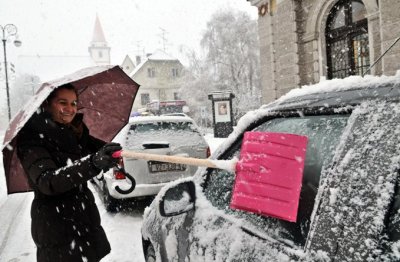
[(63, 106)]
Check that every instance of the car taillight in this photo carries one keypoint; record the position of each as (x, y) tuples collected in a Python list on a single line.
[(117, 174), (208, 152)]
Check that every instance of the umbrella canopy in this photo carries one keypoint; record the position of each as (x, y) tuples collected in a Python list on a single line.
[(105, 95)]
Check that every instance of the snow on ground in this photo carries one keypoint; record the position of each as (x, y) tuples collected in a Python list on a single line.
[(123, 229)]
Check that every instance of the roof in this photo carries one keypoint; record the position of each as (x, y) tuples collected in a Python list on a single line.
[(143, 119), (337, 92), (98, 34), (334, 94), (158, 55)]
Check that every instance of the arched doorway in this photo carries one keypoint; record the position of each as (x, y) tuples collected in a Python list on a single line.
[(346, 37)]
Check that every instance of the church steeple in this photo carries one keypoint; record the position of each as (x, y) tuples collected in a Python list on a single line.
[(99, 50)]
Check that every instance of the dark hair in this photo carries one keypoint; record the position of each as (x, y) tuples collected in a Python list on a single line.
[(65, 86)]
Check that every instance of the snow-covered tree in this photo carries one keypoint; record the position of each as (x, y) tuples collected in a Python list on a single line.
[(231, 45), (231, 62)]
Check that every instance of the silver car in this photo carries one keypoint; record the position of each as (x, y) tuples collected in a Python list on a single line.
[(164, 135), (349, 205)]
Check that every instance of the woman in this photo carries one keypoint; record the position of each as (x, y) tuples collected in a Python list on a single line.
[(59, 157)]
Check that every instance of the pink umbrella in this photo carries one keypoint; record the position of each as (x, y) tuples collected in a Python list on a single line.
[(106, 96)]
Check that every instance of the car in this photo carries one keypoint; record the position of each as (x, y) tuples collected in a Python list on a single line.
[(349, 201), (164, 135)]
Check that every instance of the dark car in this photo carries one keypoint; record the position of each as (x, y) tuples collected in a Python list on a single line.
[(349, 201)]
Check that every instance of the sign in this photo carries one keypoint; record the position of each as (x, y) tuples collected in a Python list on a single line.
[(203, 112), (222, 111)]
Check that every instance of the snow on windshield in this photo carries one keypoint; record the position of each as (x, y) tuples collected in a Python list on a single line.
[(176, 134), (357, 191)]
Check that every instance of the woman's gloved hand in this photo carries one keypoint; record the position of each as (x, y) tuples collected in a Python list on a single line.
[(103, 159)]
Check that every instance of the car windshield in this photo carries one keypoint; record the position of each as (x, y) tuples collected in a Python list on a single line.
[(162, 127), (323, 134), (177, 134)]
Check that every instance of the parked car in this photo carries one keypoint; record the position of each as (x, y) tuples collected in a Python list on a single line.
[(349, 201), (164, 135)]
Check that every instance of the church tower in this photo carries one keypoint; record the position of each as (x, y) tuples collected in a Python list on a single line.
[(99, 50)]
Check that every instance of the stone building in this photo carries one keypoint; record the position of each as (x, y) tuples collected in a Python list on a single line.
[(305, 41)]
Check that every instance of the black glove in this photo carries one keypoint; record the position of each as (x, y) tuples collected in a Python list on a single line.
[(103, 159)]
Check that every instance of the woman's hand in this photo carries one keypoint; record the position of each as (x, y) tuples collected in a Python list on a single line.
[(103, 159)]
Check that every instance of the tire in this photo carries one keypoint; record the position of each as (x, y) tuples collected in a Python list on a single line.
[(111, 204), (150, 255)]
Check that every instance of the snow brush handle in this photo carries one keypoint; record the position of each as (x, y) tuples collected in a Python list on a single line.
[(172, 159)]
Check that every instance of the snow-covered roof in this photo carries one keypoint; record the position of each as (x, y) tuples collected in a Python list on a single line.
[(161, 55), (98, 34), (158, 55)]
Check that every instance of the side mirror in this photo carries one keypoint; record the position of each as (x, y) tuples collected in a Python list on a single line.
[(178, 199)]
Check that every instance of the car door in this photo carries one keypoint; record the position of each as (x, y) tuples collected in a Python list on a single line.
[(351, 223), (220, 233)]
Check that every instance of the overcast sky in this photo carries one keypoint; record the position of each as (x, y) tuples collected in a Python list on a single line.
[(65, 27)]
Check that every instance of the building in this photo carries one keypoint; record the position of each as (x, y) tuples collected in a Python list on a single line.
[(160, 77), (99, 50), (128, 65), (303, 42)]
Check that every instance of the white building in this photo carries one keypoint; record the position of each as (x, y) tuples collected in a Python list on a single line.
[(160, 77)]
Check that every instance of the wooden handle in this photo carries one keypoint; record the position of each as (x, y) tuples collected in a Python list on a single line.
[(170, 159)]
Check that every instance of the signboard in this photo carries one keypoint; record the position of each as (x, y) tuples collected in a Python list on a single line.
[(203, 112), (222, 111)]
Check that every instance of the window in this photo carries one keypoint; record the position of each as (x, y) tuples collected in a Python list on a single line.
[(323, 134), (144, 98), (176, 96), (175, 72), (347, 40), (100, 54), (151, 72)]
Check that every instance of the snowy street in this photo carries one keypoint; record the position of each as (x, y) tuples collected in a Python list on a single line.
[(123, 229)]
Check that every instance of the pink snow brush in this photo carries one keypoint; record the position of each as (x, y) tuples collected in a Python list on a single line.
[(269, 172)]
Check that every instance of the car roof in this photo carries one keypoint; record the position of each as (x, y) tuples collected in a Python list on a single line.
[(340, 92), (162, 118), (336, 93)]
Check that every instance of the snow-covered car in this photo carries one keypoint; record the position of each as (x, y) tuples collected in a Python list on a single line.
[(164, 135), (349, 201)]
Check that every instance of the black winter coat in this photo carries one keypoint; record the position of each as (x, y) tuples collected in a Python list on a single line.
[(65, 219)]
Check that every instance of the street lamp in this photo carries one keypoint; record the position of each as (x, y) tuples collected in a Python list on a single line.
[(9, 30)]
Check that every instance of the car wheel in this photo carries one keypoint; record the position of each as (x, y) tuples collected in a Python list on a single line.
[(111, 204), (150, 255)]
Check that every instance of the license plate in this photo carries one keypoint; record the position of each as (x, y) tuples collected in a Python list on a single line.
[(155, 166)]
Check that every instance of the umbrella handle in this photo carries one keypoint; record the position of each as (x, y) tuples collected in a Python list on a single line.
[(133, 181)]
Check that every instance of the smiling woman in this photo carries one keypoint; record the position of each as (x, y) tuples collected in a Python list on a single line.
[(62, 105), (58, 156)]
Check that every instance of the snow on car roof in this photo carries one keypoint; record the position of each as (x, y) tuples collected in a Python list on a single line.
[(325, 86), (348, 83), (164, 118)]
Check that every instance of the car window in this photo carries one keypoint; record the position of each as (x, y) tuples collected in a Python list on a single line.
[(323, 134), (177, 134), (162, 126)]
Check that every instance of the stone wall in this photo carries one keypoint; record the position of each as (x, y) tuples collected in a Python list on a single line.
[(293, 48), (390, 31)]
